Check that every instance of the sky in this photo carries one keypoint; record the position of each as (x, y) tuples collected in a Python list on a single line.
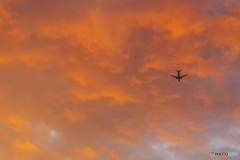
[(90, 79)]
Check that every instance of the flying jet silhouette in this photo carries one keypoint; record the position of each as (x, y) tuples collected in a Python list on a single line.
[(179, 77)]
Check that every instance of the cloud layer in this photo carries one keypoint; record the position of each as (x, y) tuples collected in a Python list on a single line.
[(90, 79)]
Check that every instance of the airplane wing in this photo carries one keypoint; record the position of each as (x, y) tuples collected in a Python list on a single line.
[(173, 76), (183, 75)]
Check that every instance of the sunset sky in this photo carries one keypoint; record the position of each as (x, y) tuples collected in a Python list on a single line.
[(90, 79)]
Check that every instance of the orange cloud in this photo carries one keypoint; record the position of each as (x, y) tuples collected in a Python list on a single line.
[(96, 73), (89, 153), (114, 92), (26, 146), (74, 116), (236, 113), (17, 123)]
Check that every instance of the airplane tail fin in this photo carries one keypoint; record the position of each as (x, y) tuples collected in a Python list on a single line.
[(178, 70)]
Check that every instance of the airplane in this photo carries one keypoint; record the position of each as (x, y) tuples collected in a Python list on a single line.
[(179, 77)]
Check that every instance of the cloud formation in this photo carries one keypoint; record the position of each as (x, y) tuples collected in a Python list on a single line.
[(90, 79)]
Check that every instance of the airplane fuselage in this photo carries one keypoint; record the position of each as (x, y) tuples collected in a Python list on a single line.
[(178, 77)]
